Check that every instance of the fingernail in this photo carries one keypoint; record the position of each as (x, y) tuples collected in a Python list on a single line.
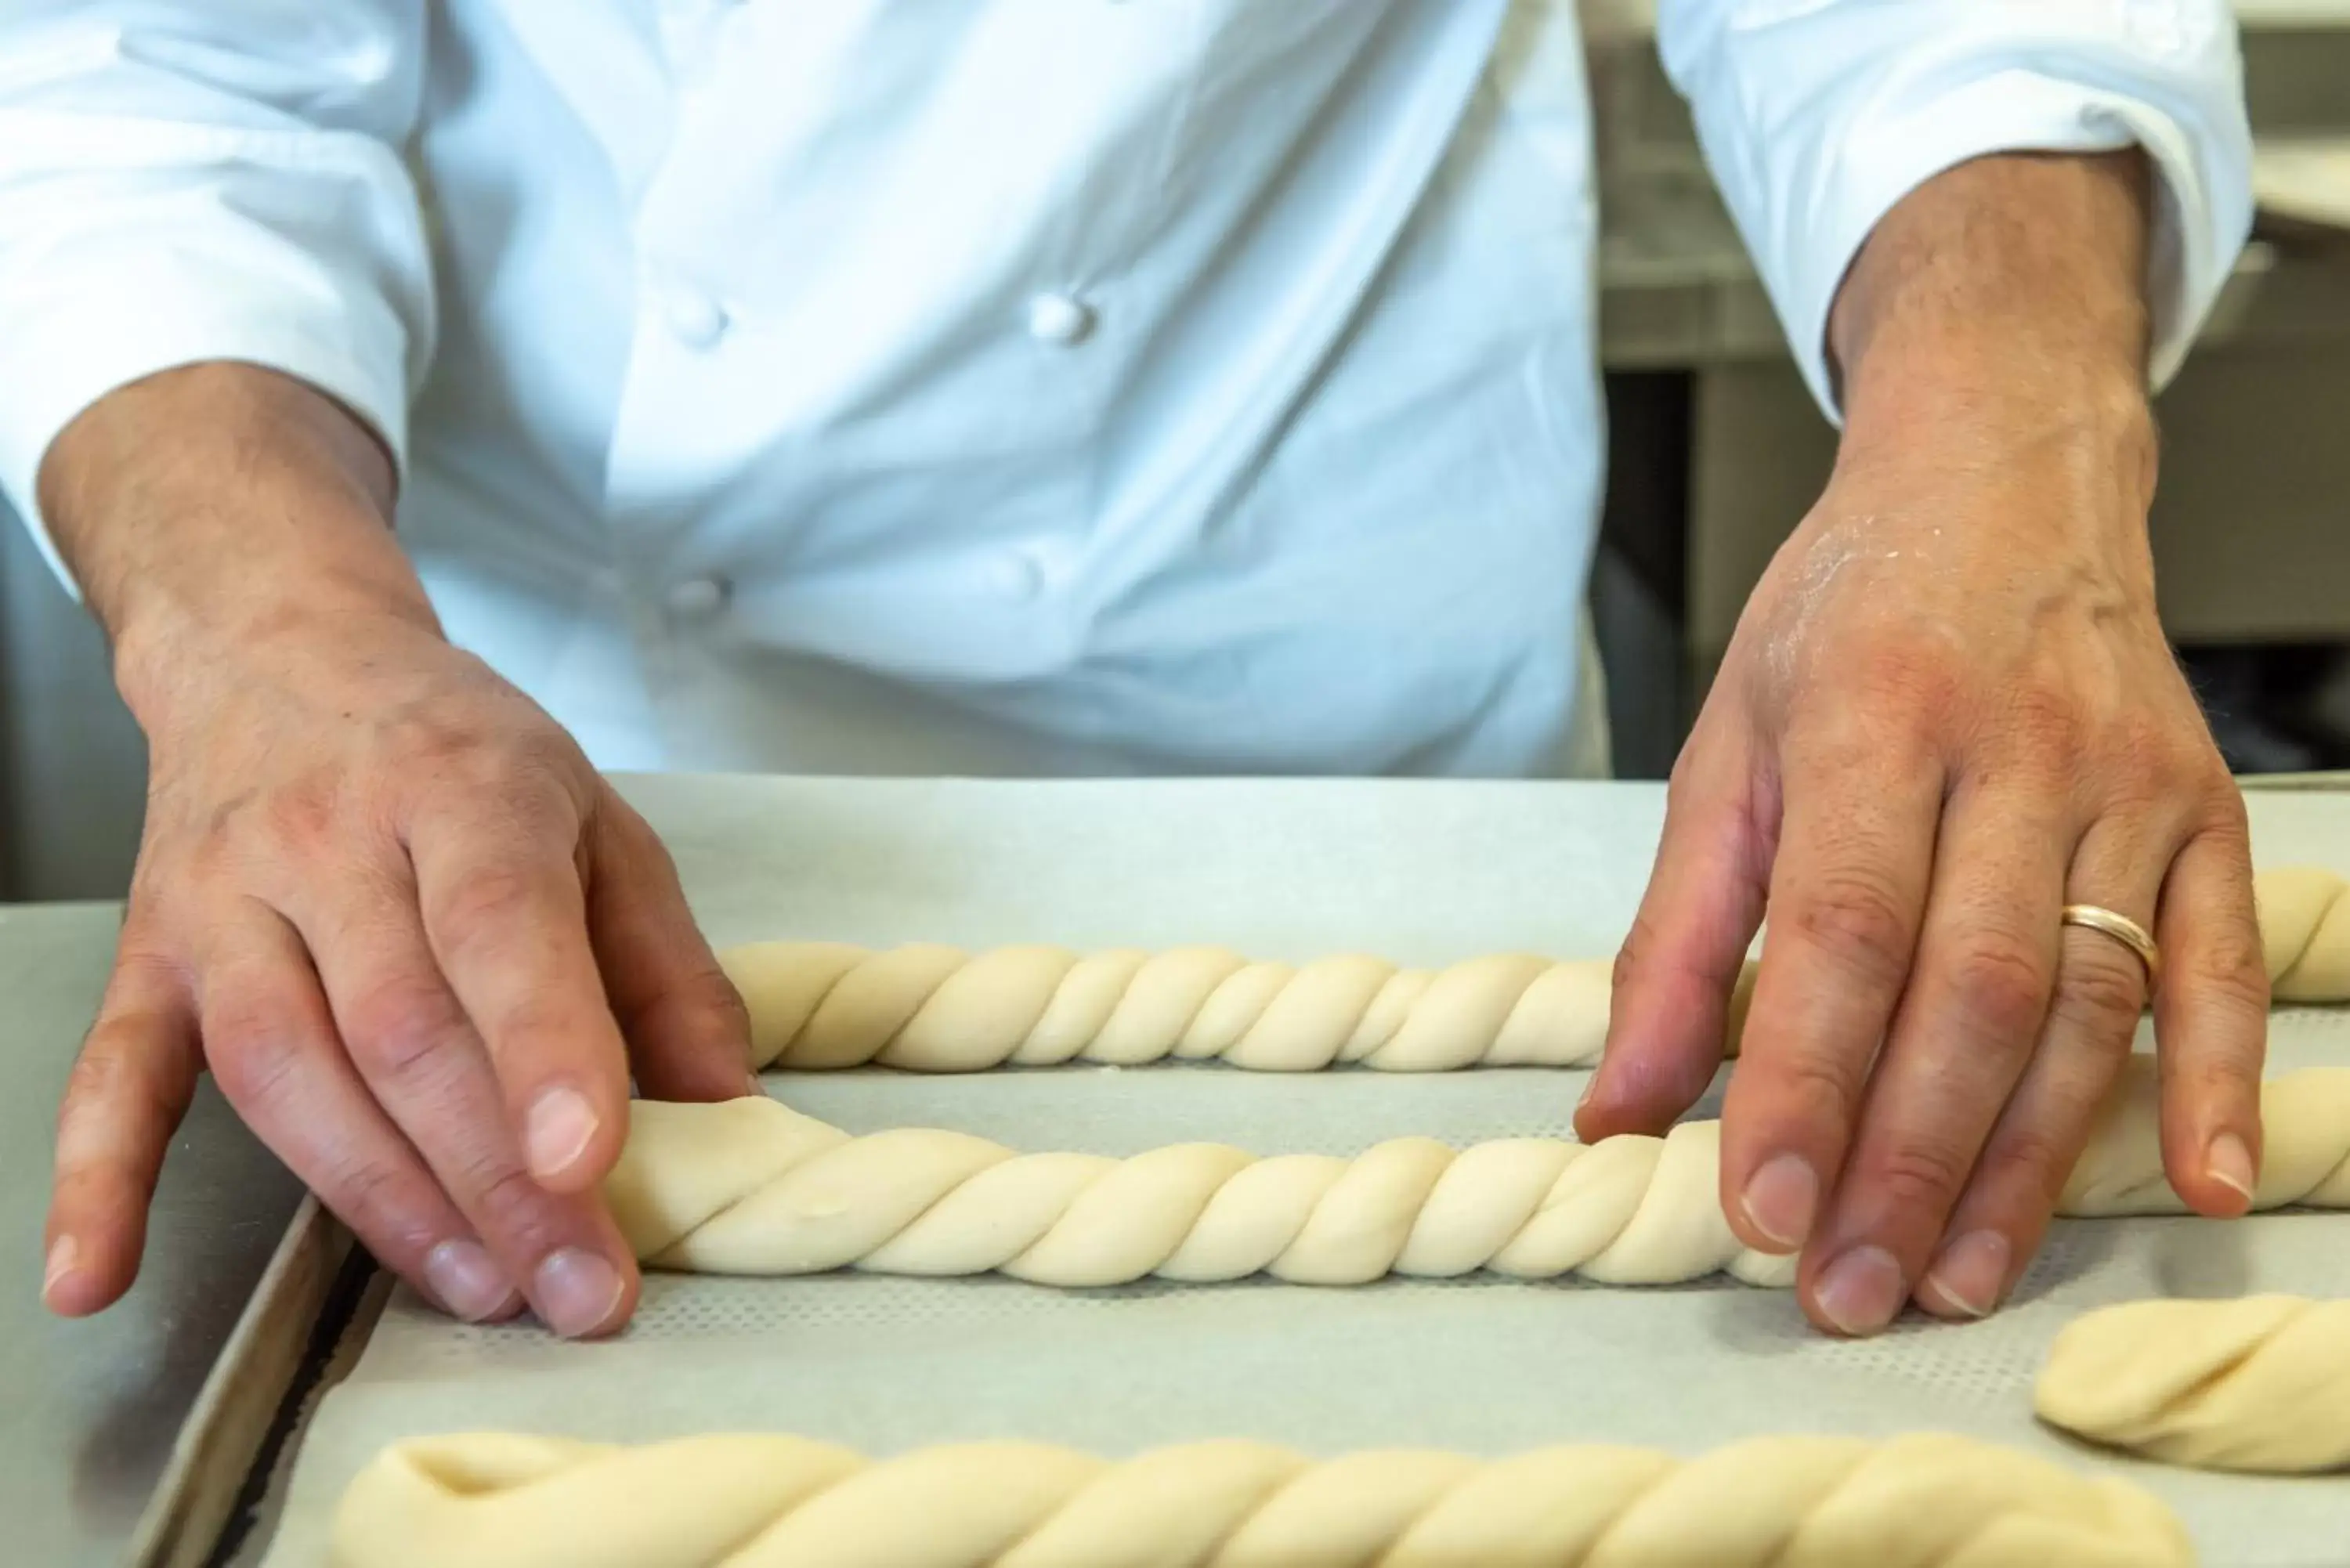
[(561, 1122), (578, 1291), (465, 1278), (2231, 1163), (64, 1254), (1972, 1271), (753, 1086), (1861, 1291), (1780, 1199)]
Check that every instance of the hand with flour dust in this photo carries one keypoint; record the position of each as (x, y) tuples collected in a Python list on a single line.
[(1947, 712)]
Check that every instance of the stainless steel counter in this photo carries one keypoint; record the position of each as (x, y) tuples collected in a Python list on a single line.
[(89, 1409)]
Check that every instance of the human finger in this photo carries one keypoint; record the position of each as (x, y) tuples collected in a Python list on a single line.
[(129, 1088), (424, 1064), (688, 1032), (271, 1041), (1848, 893), (1999, 1221), (2211, 1014), (1676, 972), (505, 918), (1969, 1020)]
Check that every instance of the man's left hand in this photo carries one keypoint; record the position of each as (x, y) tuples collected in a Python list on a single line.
[(1947, 712)]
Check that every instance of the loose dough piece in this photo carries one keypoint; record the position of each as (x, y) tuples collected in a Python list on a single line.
[(939, 1009), (1921, 1500), (2257, 1383), (751, 1186)]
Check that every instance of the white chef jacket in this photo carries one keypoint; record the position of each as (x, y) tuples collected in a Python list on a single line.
[(997, 385)]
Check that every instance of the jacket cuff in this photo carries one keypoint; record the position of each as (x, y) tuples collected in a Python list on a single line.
[(2202, 215), (123, 322)]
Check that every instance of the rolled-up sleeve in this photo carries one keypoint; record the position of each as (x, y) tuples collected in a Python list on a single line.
[(1817, 116), (195, 180)]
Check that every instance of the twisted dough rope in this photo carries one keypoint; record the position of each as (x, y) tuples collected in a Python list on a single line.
[(751, 1187), (2305, 933), (2304, 1146), (940, 1009), (2258, 1383), (748, 1501)]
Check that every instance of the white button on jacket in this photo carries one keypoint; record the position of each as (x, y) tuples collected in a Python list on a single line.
[(697, 320), (698, 598), (1051, 386), (1057, 318)]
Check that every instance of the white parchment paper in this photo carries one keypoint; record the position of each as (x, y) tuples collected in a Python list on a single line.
[(1419, 872)]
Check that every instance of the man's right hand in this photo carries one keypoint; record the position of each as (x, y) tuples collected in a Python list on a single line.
[(418, 939)]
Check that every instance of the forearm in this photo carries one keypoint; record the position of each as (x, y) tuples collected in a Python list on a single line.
[(222, 501), (2010, 290)]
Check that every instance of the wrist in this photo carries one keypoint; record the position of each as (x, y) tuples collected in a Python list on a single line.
[(2000, 308), (225, 512), (2084, 429), (174, 656)]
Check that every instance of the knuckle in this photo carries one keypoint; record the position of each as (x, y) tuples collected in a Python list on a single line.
[(1632, 957), (106, 1071), (485, 907), (1627, 964), (535, 1023), (508, 1208), (82, 1188), (2099, 992), (2037, 1159), (615, 816), (534, 807), (1824, 1095), (424, 735), (1856, 915), (2137, 798), (2001, 984), (2219, 1079), (378, 1200), (528, 766), (1917, 1174), (1677, 780), (1917, 670), (404, 1029), (141, 966), (97, 1071), (1685, 781), (1852, 737), (514, 775), (2229, 966), (2149, 745), (706, 992), (214, 854), (2225, 818), (255, 1059), (2046, 717), (302, 816)]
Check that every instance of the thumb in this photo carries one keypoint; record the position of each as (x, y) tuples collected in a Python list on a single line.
[(1678, 974), (129, 1088), (688, 1035)]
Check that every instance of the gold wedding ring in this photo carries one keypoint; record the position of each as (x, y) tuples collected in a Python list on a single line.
[(2123, 929)]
